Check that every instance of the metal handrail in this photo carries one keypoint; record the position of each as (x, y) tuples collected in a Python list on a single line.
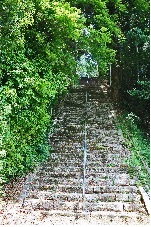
[(85, 146)]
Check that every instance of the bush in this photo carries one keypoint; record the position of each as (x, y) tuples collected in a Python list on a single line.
[(37, 67), (139, 145)]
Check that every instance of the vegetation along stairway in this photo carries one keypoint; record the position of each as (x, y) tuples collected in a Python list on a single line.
[(75, 188)]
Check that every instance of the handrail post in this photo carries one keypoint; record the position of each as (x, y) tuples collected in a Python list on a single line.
[(110, 74)]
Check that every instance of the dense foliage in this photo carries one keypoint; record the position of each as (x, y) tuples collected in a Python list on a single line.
[(133, 75), (139, 146), (41, 43), (37, 65)]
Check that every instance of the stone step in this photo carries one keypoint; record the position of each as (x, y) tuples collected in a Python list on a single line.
[(111, 189), (105, 120), (93, 192), (70, 144), (93, 171), (99, 132), (68, 140), (71, 103), (65, 147), (57, 166), (77, 205), (113, 197), (41, 204), (114, 179), (92, 126), (57, 188), (104, 162), (96, 155), (70, 173), (93, 184), (66, 154), (65, 167), (72, 111), (66, 132), (96, 217), (103, 153), (102, 126), (93, 176), (68, 160), (115, 206), (110, 182), (73, 124), (63, 181), (92, 161), (97, 146), (110, 175), (61, 133), (98, 101), (103, 197), (69, 164), (99, 188), (107, 161), (91, 144), (49, 195)]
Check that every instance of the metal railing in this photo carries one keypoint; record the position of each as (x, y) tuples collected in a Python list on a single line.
[(85, 146)]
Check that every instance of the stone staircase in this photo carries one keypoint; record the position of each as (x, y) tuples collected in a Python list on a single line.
[(54, 193)]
